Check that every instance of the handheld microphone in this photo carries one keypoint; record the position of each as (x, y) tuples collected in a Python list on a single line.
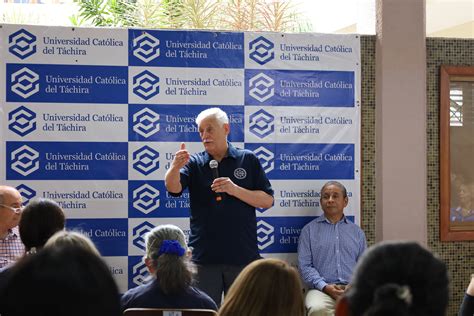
[(213, 164)]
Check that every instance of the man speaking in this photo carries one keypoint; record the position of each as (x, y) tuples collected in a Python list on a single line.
[(223, 201)]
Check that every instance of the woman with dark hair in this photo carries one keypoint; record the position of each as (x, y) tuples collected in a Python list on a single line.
[(467, 306), (60, 281), (266, 287), (397, 278), (168, 261), (40, 219)]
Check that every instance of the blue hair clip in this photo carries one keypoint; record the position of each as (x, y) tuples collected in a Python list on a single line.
[(171, 247)]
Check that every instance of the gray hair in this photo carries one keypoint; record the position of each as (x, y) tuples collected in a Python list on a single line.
[(216, 113), (72, 238), (337, 184), (174, 273)]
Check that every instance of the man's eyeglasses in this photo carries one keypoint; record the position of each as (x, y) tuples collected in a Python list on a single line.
[(16, 210)]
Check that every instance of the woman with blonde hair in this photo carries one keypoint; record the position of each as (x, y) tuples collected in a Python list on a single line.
[(266, 287), (168, 261)]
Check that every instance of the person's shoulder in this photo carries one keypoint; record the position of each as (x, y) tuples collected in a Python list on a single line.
[(352, 224), (314, 222), (355, 229), (198, 155), (201, 295), (237, 151), (197, 292), (198, 158), (136, 290)]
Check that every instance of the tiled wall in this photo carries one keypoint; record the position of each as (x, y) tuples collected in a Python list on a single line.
[(459, 256)]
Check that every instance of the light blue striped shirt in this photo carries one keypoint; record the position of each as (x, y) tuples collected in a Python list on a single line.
[(327, 253)]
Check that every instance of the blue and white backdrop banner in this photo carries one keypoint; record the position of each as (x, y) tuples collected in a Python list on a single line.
[(92, 118)]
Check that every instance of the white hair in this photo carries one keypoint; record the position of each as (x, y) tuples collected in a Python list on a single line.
[(216, 113)]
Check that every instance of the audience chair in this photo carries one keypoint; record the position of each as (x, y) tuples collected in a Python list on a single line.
[(168, 312)]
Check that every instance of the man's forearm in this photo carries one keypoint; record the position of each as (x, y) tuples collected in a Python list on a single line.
[(173, 181), (256, 198)]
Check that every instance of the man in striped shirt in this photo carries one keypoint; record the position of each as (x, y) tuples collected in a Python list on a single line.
[(11, 247), (328, 249)]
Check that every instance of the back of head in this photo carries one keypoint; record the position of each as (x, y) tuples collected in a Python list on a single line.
[(166, 255), (72, 238), (60, 281), (398, 278), (40, 219), (265, 287)]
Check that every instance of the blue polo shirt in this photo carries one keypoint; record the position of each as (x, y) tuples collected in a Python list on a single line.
[(223, 232)]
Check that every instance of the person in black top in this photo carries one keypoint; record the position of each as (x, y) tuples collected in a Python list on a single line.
[(167, 259), (223, 220), (396, 279), (467, 306)]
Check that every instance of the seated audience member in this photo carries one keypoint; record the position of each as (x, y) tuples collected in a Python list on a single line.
[(467, 306), (40, 219), (266, 287), (11, 247), (328, 250), (464, 211), (71, 238), (397, 279), (168, 261), (60, 281)]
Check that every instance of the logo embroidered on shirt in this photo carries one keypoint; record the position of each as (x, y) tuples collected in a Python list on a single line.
[(240, 173)]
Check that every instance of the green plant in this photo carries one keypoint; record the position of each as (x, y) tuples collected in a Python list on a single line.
[(106, 12), (276, 16), (172, 13), (201, 14), (241, 15), (147, 14)]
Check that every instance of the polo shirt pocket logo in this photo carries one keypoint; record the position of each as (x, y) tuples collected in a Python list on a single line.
[(240, 173)]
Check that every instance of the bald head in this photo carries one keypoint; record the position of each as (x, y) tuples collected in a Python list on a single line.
[(6, 192), (9, 198)]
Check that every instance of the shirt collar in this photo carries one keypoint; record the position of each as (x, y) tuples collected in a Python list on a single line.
[(14, 231), (323, 218), (231, 151)]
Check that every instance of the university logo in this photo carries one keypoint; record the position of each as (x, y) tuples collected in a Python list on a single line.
[(261, 123), (146, 85), (140, 273), (139, 232), (22, 121), (240, 173), (266, 158), (146, 198), (146, 160), (145, 122), (261, 50), (25, 82), (22, 44), (25, 160), (265, 234), (26, 192), (261, 87), (146, 47)]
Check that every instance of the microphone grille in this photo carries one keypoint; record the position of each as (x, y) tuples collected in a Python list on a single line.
[(213, 164)]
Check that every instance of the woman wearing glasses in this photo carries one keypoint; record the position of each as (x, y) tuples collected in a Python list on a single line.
[(11, 247)]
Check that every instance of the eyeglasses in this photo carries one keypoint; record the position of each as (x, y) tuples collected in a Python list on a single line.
[(16, 210)]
